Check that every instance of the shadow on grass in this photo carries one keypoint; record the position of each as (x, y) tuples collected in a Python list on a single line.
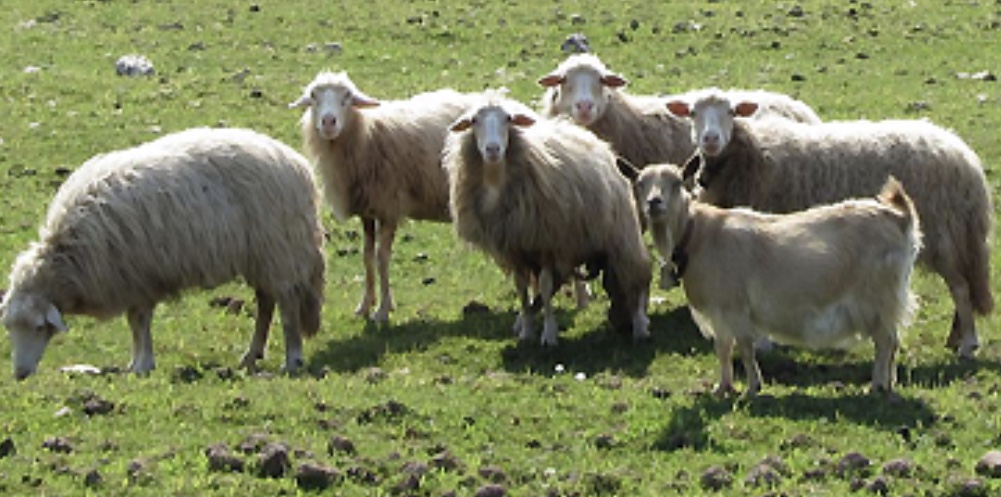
[(689, 426), (598, 349)]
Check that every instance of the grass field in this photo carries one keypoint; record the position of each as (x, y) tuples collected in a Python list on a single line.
[(442, 402)]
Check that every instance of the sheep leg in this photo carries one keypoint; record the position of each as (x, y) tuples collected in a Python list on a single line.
[(884, 374), (547, 285), (387, 233), (368, 258), (140, 319), (724, 353), (523, 323), (288, 305), (963, 335), (265, 312), (641, 322)]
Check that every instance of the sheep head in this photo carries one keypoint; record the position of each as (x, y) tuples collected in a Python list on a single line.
[(712, 115), (331, 98), (491, 124), (581, 86), (31, 321)]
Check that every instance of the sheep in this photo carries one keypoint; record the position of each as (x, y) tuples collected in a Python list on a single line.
[(542, 197), (637, 126), (198, 208), (380, 161), (775, 165), (818, 278)]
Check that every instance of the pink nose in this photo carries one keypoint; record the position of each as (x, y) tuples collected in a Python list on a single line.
[(585, 107), (328, 121)]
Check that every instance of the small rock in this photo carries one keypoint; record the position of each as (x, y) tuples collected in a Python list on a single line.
[(878, 485), (430, 280), (313, 476), (220, 459), (338, 443), (990, 464), (474, 307), (763, 475), (255, 7), (363, 475), (187, 374), (575, 43), (604, 441), (796, 11), (273, 461), (492, 490), (134, 65), (900, 468), (797, 77), (92, 479), (7, 448), (408, 483), (577, 19), (253, 443), (853, 463), (333, 47), (968, 487), (798, 441), (493, 474), (61, 445), (96, 406), (716, 478)]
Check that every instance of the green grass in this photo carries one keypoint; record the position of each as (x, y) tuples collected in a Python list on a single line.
[(451, 394)]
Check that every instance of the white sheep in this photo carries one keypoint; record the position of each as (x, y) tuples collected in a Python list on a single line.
[(818, 278), (197, 208), (380, 161), (638, 126), (776, 165), (542, 197)]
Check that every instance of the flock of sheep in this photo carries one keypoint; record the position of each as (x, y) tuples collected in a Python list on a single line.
[(777, 225)]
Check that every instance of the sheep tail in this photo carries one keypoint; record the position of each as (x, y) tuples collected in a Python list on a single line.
[(978, 275)]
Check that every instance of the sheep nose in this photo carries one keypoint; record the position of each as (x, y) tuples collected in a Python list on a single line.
[(328, 121), (585, 106), (492, 150), (655, 203), (710, 138)]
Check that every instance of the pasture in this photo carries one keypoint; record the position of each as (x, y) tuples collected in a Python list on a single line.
[(443, 400)]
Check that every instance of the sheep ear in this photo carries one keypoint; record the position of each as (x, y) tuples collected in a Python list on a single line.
[(54, 319), (303, 101), (461, 125), (627, 168), (745, 109), (522, 120), (690, 170), (551, 80), (613, 81), (679, 108), (360, 100)]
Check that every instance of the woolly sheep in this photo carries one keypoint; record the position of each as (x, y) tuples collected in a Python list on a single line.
[(542, 197), (637, 126), (380, 161), (775, 165), (818, 278), (197, 208)]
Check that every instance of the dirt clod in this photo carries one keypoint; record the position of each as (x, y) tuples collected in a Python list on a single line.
[(990, 464), (900, 468), (492, 490), (7, 448), (854, 463), (493, 474), (273, 461), (93, 478), (716, 478), (314, 476), (61, 445), (338, 443), (96, 406), (220, 459)]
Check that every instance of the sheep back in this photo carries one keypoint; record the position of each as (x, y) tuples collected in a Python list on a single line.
[(193, 209), (386, 162)]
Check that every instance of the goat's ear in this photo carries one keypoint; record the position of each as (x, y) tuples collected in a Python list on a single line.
[(462, 124), (745, 109), (627, 168), (522, 120), (303, 101), (551, 80), (612, 80), (690, 170), (360, 100), (679, 108), (54, 319)]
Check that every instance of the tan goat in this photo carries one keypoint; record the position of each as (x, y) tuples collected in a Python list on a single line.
[(819, 278)]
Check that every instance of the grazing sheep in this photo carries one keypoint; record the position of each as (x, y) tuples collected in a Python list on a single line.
[(638, 127), (196, 208), (542, 197), (380, 161), (816, 278), (775, 165)]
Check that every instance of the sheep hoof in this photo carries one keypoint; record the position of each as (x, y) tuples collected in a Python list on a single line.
[(381, 316), (724, 391), (249, 360)]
